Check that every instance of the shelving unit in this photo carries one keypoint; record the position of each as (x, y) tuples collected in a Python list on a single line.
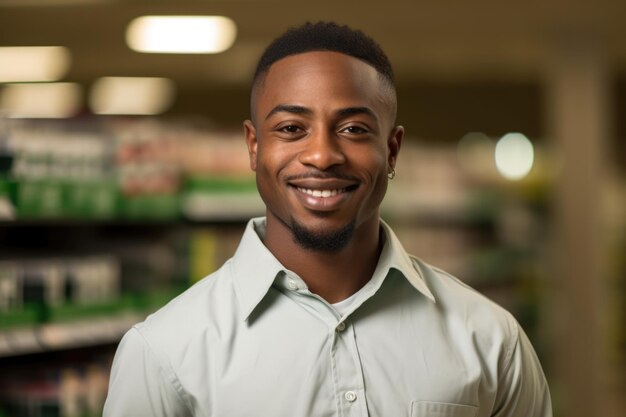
[(148, 200), (61, 336), (42, 362)]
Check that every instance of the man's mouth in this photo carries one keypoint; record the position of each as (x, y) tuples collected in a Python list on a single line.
[(322, 193)]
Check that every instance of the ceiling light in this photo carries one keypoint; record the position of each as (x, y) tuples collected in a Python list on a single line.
[(41, 100), (181, 34), (131, 95), (33, 63)]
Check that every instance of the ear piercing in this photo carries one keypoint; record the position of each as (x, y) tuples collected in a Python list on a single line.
[(391, 174)]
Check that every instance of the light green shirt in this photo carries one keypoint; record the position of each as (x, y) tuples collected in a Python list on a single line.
[(252, 340)]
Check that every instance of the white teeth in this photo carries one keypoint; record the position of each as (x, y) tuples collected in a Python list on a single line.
[(321, 193)]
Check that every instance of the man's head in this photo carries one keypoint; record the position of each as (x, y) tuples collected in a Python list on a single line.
[(323, 137), (324, 36)]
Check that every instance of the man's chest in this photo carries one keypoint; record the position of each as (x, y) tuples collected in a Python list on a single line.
[(298, 364)]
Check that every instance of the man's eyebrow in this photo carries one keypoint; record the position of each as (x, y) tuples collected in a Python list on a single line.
[(288, 108), (350, 111)]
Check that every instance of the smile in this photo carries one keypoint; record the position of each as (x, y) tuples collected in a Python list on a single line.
[(321, 193), (324, 197)]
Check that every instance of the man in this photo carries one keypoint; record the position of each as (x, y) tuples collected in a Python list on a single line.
[(321, 312)]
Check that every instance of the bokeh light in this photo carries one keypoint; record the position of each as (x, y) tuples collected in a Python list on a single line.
[(514, 156)]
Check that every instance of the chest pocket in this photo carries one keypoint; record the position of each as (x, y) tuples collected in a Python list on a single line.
[(433, 409)]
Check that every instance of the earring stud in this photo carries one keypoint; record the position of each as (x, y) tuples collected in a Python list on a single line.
[(392, 174)]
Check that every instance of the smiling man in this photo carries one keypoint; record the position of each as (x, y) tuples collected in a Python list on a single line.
[(322, 143), (321, 312)]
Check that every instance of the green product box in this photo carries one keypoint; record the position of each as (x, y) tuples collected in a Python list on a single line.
[(7, 198), (150, 207), (40, 199), (220, 184), (72, 311), (92, 200), (26, 316)]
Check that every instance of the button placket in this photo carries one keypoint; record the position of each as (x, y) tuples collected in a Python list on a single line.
[(347, 371)]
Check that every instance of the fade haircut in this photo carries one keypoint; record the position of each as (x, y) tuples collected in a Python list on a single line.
[(325, 36)]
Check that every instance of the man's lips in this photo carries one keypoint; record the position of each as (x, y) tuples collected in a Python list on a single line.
[(322, 182), (323, 194)]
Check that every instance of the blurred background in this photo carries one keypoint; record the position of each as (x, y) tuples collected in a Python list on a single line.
[(124, 176)]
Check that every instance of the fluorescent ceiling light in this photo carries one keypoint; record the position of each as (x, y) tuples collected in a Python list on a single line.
[(41, 100), (131, 95), (33, 63), (181, 34)]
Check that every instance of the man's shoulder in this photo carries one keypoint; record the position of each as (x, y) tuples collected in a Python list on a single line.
[(458, 300), (195, 310)]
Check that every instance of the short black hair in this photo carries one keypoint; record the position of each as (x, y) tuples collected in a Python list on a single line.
[(326, 36)]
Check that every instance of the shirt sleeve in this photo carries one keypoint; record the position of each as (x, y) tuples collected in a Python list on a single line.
[(139, 385), (522, 388)]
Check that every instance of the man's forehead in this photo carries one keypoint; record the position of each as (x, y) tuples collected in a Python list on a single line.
[(319, 70), (322, 68)]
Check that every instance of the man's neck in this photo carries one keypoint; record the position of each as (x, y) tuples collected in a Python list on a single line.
[(334, 276)]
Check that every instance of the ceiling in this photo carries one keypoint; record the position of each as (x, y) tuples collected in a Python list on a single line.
[(441, 43), (424, 39)]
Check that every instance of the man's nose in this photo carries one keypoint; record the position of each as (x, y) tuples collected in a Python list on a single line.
[(322, 151)]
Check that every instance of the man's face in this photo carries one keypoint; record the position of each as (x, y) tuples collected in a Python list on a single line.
[(322, 143)]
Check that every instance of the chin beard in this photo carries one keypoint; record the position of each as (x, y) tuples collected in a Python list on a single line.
[(322, 241)]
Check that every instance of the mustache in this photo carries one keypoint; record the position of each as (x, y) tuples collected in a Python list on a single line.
[(320, 175)]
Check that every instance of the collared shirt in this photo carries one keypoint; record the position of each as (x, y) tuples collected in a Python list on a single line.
[(252, 340)]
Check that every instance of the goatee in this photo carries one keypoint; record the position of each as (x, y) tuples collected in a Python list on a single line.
[(322, 241)]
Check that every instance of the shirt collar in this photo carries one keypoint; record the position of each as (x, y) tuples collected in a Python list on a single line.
[(394, 256), (255, 268)]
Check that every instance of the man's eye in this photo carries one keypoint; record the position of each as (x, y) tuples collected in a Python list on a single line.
[(290, 129), (356, 130)]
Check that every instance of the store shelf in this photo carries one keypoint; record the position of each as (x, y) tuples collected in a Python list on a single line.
[(203, 207), (58, 336)]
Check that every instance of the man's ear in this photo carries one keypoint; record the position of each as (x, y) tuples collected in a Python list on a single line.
[(251, 141), (393, 144)]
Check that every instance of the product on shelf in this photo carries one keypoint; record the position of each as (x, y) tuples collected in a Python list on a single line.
[(121, 168), (43, 290), (58, 172), (65, 390)]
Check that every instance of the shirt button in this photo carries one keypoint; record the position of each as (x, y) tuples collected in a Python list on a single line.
[(350, 396), (341, 327), (293, 285)]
